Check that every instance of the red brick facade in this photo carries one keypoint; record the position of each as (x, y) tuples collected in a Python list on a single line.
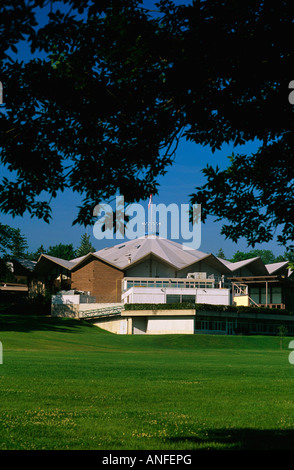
[(98, 277)]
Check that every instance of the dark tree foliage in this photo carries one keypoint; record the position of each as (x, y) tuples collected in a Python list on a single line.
[(63, 251), (12, 242), (120, 85), (85, 246)]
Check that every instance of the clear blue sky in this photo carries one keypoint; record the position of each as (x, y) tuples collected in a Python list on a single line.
[(175, 187)]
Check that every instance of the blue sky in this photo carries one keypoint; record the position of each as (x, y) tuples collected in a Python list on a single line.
[(175, 187), (181, 179)]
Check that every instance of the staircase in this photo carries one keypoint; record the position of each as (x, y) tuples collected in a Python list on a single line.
[(103, 312)]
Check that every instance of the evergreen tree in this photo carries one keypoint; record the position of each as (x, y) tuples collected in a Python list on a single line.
[(12, 242), (34, 256), (19, 244), (85, 246), (220, 254)]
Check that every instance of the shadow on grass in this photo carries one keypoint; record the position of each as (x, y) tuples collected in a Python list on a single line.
[(25, 324), (241, 439)]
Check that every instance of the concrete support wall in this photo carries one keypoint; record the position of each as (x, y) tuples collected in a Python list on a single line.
[(170, 325), (65, 310), (154, 325), (159, 321), (116, 325)]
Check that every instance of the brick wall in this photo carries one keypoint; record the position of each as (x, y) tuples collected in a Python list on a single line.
[(102, 280)]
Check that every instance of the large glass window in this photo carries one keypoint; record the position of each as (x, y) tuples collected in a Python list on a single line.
[(173, 298), (254, 294), (177, 298), (276, 295), (263, 296), (188, 298)]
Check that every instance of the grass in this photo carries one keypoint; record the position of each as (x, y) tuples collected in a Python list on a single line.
[(68, 385)]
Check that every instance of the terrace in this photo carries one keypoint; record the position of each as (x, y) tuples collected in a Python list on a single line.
[(174, 290), (263, 291), (165, 283)]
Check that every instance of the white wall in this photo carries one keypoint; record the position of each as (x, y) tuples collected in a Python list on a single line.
[(170, 325), (65, 299), (213, 296), (150, 268), (74, 299), (156, 295), (144, 295), (202, 267)]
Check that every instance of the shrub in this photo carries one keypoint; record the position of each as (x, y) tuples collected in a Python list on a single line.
[(207, 307)]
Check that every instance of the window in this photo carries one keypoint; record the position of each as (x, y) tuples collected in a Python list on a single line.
[(188, 298), (173, 299), (219, 326), (204, 325), (276, 295), (177, 298), (254, 294), (263, 296)]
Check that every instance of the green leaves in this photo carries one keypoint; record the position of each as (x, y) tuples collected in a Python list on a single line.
[(118, 87), (12, 242)]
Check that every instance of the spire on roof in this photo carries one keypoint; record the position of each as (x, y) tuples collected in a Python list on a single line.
[(151, 231)]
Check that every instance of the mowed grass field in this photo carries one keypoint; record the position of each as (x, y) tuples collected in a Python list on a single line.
[(68, 385)]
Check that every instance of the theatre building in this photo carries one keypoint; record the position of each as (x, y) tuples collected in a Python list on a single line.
[(154, 270)]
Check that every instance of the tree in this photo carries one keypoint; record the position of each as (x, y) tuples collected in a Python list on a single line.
[(19, 244), (12, 242), (220, 254), (85, 246), (287, 256), (6, 236), (62, 251), (266, 256), (282, 329), (103, 112), (6, 274), (34, 256)]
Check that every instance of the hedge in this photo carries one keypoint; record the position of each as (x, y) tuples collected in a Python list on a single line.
[(207, 307), (175, 306)]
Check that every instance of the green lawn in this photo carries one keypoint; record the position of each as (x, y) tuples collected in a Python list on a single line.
[(68, 385)]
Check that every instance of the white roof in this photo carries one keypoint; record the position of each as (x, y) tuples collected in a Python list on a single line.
[(271, 268), (241, 264), (67, 264), (128, 253), (134, 250)]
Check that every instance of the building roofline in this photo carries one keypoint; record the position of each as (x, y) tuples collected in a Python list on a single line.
[(95, 256), (205, 257)]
